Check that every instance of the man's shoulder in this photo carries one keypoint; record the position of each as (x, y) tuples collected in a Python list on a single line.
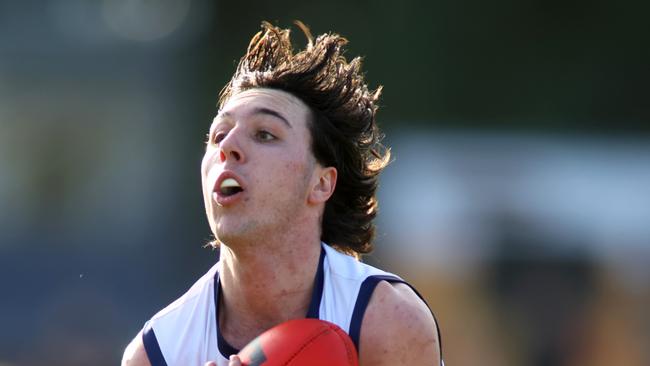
[(346, 266), (398, 328), (180, 314), (201, 288), (135, 353)]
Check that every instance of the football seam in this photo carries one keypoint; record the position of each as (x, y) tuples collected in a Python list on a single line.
[(308, 342)]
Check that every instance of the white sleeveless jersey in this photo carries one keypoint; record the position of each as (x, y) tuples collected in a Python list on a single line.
[(186, 333)]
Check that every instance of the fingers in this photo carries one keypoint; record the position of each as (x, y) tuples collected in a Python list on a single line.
[(234, 361)]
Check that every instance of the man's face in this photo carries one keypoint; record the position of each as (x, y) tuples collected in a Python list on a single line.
[(258, 167)]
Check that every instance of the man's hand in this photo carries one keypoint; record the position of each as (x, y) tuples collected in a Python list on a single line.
[(234, 361)]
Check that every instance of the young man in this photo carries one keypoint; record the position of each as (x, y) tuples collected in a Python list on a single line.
[(289, 179)]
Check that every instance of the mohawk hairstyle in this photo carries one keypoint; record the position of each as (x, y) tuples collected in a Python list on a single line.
[(343, 129)]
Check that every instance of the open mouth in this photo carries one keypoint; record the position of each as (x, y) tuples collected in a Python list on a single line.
[(229, 187)]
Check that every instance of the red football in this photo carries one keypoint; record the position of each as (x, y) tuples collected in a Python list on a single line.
[(309, 342)]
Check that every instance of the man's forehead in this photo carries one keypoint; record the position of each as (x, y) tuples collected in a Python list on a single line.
[(279, 104), (273, 99)]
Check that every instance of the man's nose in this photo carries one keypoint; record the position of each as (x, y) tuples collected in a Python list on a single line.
[(230, 147)]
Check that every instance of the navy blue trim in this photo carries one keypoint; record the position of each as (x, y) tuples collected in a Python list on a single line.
[(224, 347), (363, 298), (151, 347), (319, 283)]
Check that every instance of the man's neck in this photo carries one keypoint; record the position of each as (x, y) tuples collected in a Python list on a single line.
[(265, 284)]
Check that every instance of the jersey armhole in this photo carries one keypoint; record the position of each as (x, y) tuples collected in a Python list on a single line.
[(152, 347), (363, 299)]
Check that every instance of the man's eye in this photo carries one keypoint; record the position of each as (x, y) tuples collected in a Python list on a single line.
[(265, 136), (218, 137)]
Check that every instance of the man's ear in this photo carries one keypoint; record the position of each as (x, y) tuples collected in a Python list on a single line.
[(323, 189)]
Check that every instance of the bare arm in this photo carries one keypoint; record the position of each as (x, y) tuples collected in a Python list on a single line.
[(398, 329), (135, 354)]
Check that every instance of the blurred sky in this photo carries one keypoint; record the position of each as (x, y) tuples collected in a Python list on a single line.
[(521, 140)]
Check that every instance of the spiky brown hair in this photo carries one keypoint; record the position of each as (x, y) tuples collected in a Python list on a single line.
[(343, 128)]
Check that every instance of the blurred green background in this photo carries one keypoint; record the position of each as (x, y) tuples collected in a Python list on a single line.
[(518, 201)]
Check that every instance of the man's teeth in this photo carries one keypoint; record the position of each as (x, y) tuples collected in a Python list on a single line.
[(229, 186), (229, 183)]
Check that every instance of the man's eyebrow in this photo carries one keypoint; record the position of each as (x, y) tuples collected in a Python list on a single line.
[(221, 116), (271, 112), (259, 110)]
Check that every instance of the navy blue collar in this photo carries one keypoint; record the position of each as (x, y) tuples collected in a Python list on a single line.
[(313, 312)]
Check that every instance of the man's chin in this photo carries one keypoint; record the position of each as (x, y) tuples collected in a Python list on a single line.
[(230, 236)]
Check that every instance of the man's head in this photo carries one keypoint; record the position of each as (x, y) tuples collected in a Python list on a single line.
[(341, 133)]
